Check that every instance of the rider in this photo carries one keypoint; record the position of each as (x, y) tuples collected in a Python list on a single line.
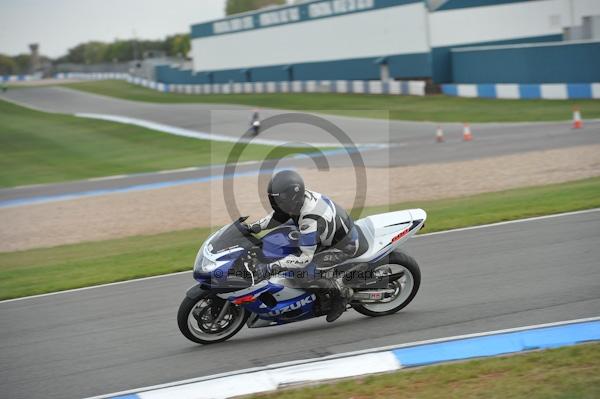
[(327, 234), (255, 122)]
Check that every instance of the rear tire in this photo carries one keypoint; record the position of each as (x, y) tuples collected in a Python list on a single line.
[(192, 328), (412, 276)]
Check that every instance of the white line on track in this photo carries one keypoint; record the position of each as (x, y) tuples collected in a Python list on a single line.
[(95, 286), (343, 355), (483, 226), (125, 176), (105, 178), (190, 169), (195, 134), (531, 219)]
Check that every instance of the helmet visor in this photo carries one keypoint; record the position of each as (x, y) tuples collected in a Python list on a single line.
[(286, 202)]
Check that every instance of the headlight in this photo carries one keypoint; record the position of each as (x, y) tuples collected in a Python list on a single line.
[(199, 256), (202, 262)]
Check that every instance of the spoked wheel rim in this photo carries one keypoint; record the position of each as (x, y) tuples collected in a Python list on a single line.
[(202, 319), (403, 288)]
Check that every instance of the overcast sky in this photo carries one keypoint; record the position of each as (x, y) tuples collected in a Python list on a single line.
[(58, 25)]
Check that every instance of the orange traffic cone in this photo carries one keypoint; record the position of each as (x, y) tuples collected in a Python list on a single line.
[(439, 135), (577, 121), (467, 136)]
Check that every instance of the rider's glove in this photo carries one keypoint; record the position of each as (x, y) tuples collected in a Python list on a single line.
[(252, 228), (266, 270), (262, 271), (275, 268)]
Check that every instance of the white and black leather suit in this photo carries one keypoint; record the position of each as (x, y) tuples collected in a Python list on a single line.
[(327, 233)]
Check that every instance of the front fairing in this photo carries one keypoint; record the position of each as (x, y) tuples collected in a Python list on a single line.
[(219, 253), (217, 264)]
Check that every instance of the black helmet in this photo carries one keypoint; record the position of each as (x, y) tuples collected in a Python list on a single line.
[(286, 192)]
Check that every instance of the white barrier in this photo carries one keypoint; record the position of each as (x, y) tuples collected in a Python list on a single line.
[(415, 88), (516, 91)]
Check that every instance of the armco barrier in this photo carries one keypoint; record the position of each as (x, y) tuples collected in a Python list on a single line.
[(269, 378), (96, 76), (413, 88), (550, 91), (18, 78)]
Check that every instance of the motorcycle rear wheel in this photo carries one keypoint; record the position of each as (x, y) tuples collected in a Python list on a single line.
[(196, 319), (407, 286)]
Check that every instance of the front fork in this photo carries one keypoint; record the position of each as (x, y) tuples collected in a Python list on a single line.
[(195, 291), (222, 314)]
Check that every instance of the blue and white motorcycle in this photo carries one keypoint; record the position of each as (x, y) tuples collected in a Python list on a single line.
[(229, 295)]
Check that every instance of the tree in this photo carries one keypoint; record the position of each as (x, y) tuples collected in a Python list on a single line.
[(94, 52), (119, 51), (23, 62), (7, 65), (238, 6), (124, 50), (75, 54), (178, 45)]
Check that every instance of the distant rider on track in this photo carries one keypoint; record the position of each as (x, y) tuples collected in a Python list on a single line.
[(255, 123)]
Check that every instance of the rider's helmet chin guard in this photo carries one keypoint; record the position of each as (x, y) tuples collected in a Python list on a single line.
[(286, 192)]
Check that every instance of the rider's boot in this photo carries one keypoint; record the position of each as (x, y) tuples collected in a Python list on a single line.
[(340, 295)]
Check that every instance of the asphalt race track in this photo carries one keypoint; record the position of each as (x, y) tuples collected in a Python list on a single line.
[(118, 337), (410, 142)]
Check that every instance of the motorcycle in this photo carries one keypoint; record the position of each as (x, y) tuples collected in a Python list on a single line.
[(230, 294), (255, 127)]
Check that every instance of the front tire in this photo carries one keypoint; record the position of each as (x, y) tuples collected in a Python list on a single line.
[(407, 286), (196, 319)]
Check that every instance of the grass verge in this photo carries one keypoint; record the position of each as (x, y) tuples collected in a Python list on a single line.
[(59, 268), (431, 108), (569, 372), (38, 147)]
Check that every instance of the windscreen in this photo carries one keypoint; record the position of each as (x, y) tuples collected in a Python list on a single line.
[(229, 237)]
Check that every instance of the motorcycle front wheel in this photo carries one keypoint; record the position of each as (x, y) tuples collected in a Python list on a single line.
[(208, 319)]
